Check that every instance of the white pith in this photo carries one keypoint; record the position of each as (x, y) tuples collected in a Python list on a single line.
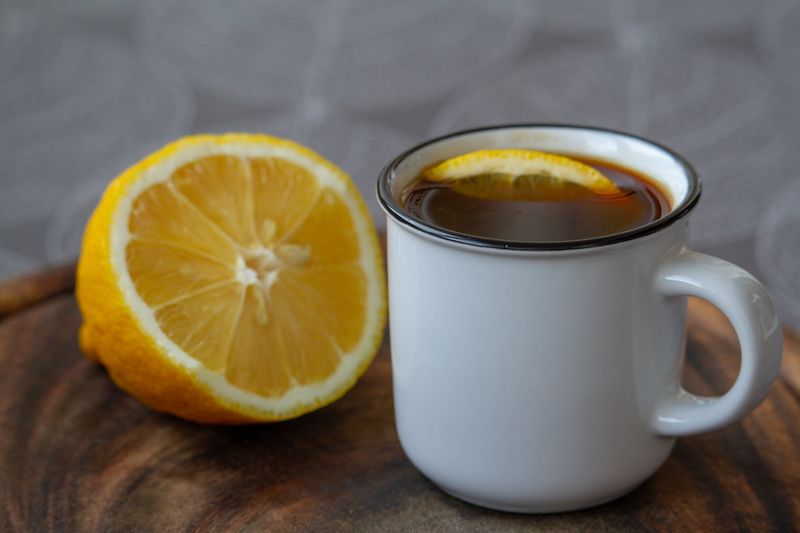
[(226, 393)]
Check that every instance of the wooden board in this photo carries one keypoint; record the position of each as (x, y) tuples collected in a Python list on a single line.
[(77, 454)]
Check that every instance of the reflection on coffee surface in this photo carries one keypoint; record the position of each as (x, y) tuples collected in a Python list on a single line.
[(538, 207)]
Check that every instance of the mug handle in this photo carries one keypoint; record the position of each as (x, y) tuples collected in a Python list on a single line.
[(748, 307)]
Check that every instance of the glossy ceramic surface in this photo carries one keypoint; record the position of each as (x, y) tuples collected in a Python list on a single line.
[(542, 380)]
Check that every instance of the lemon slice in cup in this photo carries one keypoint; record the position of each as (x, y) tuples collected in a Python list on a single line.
[(515, 174)]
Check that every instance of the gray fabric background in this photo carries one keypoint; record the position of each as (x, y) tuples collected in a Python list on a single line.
[(87, 87)]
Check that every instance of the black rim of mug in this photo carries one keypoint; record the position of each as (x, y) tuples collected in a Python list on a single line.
[(396, 211)]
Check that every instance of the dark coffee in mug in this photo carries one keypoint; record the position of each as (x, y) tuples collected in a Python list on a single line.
[(553, 213)]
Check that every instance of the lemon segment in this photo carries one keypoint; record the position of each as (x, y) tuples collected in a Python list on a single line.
[(232, 278)]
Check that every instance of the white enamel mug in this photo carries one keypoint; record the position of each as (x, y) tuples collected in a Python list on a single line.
[(541, 377)]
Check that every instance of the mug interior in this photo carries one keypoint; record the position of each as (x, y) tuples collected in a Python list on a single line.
[(669, 170)]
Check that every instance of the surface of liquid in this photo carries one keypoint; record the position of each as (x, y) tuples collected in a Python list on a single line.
[(559, 217)]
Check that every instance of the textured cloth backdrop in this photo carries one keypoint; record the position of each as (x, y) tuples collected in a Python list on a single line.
[(89, 86)]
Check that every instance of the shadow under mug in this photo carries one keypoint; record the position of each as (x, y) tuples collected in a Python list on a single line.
[(543, 377)]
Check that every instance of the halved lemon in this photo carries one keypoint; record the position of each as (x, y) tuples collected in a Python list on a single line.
[(231, 279), (516, 174)]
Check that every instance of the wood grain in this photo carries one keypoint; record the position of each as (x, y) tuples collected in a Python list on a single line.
[(30, 289), (77, 454)]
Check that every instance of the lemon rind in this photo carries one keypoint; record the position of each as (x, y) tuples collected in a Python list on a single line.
[(300, 399)]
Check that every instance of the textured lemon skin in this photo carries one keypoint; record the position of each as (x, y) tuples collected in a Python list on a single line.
[(112, 335)]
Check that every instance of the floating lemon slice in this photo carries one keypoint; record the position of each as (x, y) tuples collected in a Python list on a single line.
[(520, 175), (232, 278)]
